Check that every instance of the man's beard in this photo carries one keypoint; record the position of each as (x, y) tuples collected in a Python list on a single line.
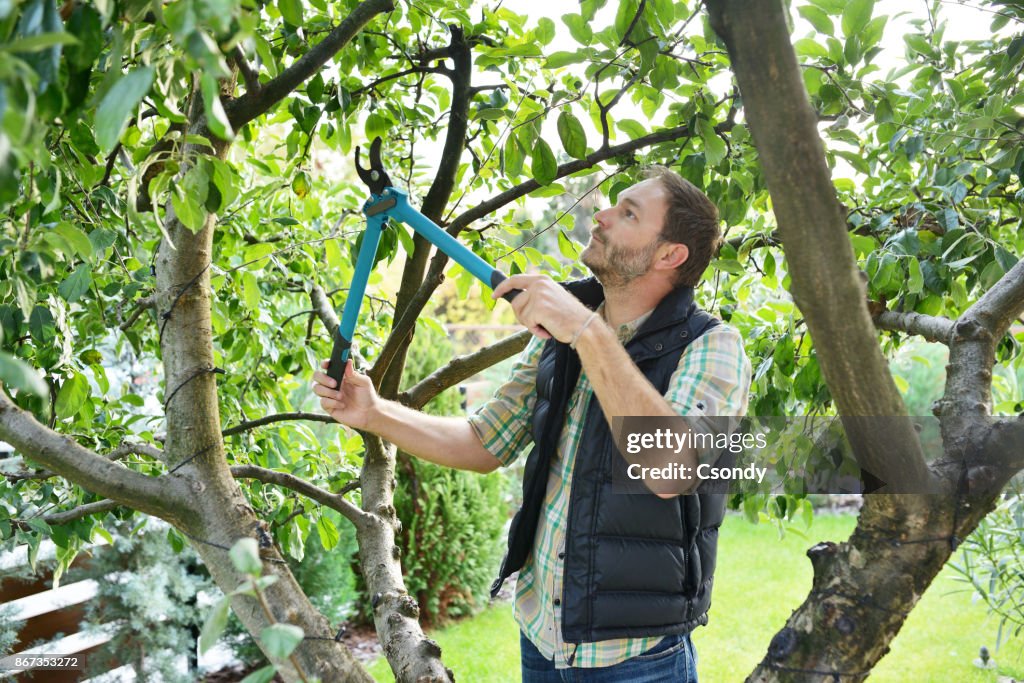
[(618, 266)]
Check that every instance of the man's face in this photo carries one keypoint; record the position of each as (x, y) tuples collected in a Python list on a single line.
[(626, 237)]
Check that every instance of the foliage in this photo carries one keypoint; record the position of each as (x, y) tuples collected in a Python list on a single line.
[(9, 628), (147, 598), (992, 562), (101, 150)]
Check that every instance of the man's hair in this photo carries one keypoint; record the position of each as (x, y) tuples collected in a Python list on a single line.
[(691, 219)]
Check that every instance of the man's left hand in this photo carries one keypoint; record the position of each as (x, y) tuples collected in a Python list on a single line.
[(544, 306)]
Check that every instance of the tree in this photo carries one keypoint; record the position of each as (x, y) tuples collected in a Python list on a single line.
[(171, 198)]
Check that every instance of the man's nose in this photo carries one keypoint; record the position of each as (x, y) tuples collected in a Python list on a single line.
[(600, 217)]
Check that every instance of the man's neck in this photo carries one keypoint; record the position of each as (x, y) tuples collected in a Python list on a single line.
[(627, 303)]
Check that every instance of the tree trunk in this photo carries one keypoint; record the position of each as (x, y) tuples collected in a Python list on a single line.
[(194, 451)]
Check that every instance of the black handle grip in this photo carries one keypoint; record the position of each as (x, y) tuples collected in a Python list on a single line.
[(496, 279), (339, 356)]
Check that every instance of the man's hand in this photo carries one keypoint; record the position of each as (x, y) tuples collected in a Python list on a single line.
[(545, 307), (357, 402)]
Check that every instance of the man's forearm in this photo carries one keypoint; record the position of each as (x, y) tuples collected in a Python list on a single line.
[(623, 391), (448, 441)]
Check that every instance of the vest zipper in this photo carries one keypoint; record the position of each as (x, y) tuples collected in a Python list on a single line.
[(572, 657)]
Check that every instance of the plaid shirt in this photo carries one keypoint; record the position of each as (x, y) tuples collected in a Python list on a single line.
[(713, 379)]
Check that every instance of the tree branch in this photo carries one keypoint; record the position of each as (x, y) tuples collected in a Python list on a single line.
[(976, 334), (249, 75), (247, 107), (162, 496), (496, 202), (812, 222), (270, 419), (463, 367), (118, 453), (141, 306), (94, 508), (324, 309), (999, 307), (335, 501), (400, 74), (932, 328), (386, 373)]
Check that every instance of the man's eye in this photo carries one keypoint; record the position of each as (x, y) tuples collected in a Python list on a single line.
[(630, 214)]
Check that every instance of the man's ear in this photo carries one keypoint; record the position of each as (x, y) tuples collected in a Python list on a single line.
[(674, 256)]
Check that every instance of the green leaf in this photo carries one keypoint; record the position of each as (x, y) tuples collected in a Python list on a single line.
[(214, 625), (280, 640), (545, 31), (216, 118), (76, 284), (245, 555), (188, 210), (119, 103), (624, 17), (579, 28), (264, 675), (574, 139), (559, 59), (714, 146), (250, 291), (41, 325), (101, 238), (810, 48), (568, 248), (818, 19), (328, 533), (291, 11), (915, 280), (18, 374), (542, 163), (39, 42), (856, 16), (77, 238), (515, 155), (71, 396), (490, 113)]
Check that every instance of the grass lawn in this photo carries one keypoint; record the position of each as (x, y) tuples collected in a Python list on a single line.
[(759, 581)]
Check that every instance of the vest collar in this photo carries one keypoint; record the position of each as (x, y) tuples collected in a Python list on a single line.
[(675, 307)]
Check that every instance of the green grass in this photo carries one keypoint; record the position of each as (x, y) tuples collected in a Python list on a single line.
[(760, 579)]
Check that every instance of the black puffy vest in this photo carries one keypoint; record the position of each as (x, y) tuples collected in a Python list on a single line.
[(635, 564)]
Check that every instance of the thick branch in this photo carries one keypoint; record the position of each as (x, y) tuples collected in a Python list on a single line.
[(976, 334), (94, 508), (387, 375), (159, 496), (335, 501), (932, 328), (270, 419), (118, 453), (999, 307), (463, 367), (812, 223), (254, 103)]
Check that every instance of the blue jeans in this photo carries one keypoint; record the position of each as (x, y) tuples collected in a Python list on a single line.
[(673, 660)]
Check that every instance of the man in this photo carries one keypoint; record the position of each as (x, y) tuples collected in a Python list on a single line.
[(610, 584)]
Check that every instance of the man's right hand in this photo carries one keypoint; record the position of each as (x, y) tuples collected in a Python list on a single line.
[(356, 403)]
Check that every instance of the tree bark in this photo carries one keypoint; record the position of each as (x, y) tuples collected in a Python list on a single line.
[(864, 588), (812, 224)]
